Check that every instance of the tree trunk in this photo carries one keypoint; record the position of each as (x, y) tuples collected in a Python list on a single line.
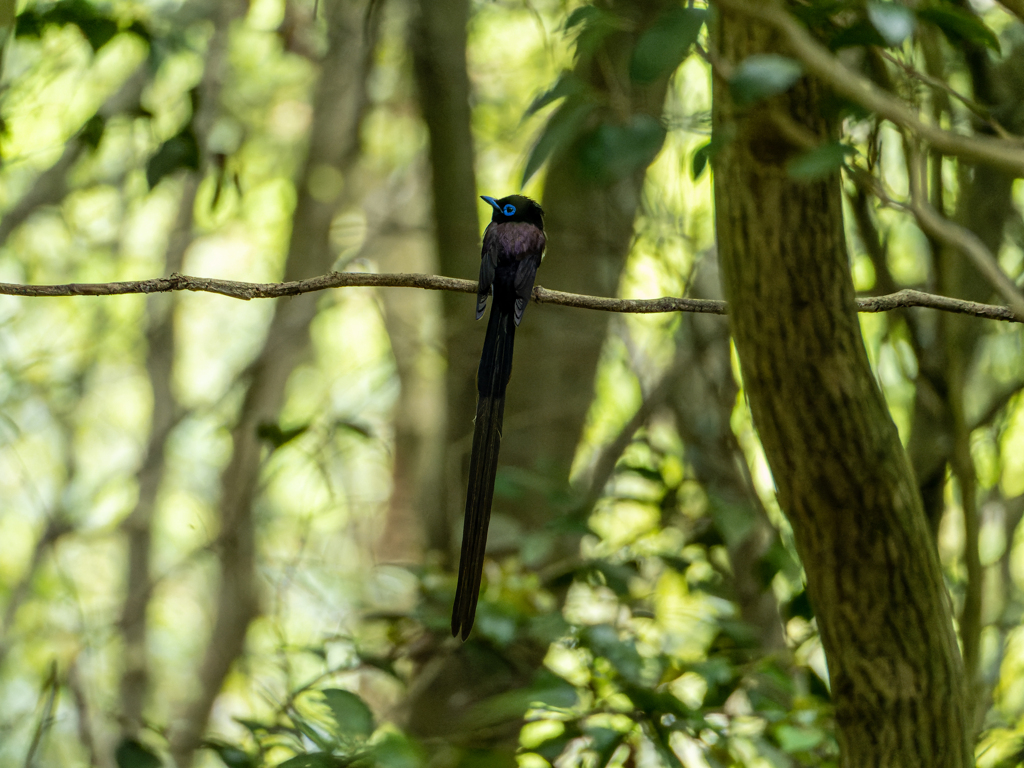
[(589, 224), (843, 478), (438, 42)]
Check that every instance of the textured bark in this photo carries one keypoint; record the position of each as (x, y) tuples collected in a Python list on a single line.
[(338, 107), (843, 478)]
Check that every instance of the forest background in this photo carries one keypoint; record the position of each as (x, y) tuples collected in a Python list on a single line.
[(229, 527)]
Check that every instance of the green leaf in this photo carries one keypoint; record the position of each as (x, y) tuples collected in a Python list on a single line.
[(350, 712), (700, 160), (960, 25), (551, 690), (763, 75), (603, 640), (663, 47), (97, 27), (613, 151), (92, 132), (554, 746), (859, 34), (661, 744), (595, 24), (604, 741), (397, 751), (567, 84), (179, 151), (894, 22), (584, 15), (562, 129), (819, 162), (276, 436), (131, 754), (28, 24)]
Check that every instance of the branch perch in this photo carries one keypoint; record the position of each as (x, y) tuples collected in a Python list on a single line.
[(247, 291)]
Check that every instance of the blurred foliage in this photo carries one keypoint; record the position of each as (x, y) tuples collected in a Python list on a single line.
[(647, 657)]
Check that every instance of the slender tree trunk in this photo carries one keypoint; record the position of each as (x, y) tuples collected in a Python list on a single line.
[(438, 42), (589, 223), (843, 478), (339, 105)]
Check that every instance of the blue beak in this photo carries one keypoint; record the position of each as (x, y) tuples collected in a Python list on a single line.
[(492, 201)]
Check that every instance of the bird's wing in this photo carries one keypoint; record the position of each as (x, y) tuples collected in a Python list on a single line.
[(488, 264), (526, 273)]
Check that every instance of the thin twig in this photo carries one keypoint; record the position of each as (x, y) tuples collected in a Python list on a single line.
[(957, 236), (246, 291), (941, 85)]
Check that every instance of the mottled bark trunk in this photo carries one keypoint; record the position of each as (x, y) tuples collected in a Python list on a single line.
[(843, 478)]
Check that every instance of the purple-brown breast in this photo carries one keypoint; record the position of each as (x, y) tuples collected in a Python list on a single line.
[(517, 239)]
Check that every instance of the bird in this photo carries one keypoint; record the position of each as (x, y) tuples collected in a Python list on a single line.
[(513, 247)]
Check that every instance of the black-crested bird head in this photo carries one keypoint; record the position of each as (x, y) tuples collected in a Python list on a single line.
[(516, 208)]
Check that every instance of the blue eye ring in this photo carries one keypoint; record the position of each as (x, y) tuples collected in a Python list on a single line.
[(509, 210)]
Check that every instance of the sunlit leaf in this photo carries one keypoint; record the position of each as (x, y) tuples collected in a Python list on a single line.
[(663, 47), (894, 22), (960, 25), (350, 712), (763, 75)]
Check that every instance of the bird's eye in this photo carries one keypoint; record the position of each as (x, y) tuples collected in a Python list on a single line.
[(509, 210)]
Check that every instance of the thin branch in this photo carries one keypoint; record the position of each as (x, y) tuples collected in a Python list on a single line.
[(246, 291), (941, 85), (820, 62), (961, 238)]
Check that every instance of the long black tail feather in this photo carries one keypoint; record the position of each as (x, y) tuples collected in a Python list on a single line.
[(492, 379)]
